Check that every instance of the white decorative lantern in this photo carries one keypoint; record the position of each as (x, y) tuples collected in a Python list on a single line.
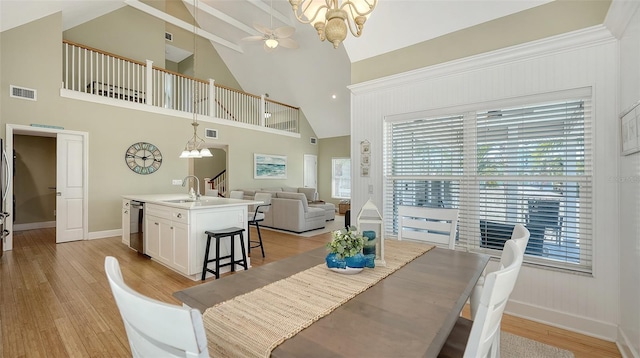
[(369, 218)]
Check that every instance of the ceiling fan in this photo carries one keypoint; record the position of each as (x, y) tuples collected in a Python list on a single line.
[(273, 38)]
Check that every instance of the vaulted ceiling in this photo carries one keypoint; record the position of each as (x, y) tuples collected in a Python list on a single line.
[(314, 76)]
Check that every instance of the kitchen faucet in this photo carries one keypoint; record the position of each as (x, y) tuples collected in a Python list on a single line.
[(184, 181)]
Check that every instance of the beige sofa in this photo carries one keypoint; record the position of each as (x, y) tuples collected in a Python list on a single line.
[(290, 211), (310, 193)]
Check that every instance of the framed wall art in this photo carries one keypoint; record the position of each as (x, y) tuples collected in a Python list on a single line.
[(364, 171), (365, 147), (365, 158), (267, 166), (629, 130)]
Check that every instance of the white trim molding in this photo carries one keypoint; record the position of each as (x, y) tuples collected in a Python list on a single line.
[(591, 36), (104, 234), (564, 320), (32, 226), (66, 93), (619, 15), (625, 346)]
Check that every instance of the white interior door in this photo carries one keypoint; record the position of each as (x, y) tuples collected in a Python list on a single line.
[(70, 188), (310, 171)]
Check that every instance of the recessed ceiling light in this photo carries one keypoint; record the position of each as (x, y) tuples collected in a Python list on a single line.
[(334, 96)]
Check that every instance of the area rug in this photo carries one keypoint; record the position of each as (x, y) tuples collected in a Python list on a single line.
[(512, 346), (329, 226)]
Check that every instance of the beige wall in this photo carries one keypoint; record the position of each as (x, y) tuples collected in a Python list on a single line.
[(171, 66), (328, 148), (111, 130), (126, 32), (546, 20), (35, 176)]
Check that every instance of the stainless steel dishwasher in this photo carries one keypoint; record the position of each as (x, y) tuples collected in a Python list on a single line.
[(136, 236)]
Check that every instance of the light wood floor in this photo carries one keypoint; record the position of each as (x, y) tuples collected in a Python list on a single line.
[(55, 300)]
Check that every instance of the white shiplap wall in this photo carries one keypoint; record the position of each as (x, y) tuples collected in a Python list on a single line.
[(629, 331), (579, 59)]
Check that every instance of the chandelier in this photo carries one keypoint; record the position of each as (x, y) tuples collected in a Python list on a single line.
[(328, 17), (195, 146)]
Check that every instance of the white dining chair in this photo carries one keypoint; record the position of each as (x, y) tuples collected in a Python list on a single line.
[(154, 328), (480, 338), (520, 236), (433, 225)]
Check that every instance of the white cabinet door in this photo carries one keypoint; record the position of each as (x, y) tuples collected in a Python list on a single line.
[(126, 223), (152, 235), (181, 247), (165, 251)]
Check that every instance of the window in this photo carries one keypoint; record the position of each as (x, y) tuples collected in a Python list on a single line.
[(525, 163), (341, 178)]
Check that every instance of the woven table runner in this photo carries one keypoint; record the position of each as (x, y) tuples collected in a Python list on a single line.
[(253, 324)]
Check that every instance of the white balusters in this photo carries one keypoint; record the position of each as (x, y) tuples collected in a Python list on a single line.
[(96, 72)]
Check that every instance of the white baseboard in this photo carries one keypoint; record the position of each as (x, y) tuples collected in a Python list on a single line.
[(47, 224), (624, 345), (104, 234), (579, 324), (33, 226)]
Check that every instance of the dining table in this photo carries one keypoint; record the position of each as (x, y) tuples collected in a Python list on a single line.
[(409, 313)]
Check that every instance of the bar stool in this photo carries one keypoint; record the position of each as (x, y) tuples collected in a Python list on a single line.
[(230, 232)]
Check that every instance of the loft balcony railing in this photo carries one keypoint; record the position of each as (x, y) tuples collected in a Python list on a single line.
[(100, 73)]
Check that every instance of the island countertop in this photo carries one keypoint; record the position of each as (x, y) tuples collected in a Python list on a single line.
[(183, 201), (174, 227)]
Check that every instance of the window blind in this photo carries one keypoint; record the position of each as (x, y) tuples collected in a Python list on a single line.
[(423, 164), (529, 164)]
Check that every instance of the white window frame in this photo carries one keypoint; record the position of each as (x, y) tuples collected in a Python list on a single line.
[(468, 197), (334, 194)]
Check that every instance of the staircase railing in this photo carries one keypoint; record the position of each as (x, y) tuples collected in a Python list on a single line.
[(101, 73), (218, 182)]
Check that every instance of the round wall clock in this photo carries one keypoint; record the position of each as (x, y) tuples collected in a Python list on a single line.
[(143, 158)]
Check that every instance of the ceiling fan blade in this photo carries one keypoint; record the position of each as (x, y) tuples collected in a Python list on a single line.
[(253, 38), (262, 29), (288, 43), (284, 31)]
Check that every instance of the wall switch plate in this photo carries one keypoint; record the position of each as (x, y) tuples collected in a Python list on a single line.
[(176, 182), (370, 188)]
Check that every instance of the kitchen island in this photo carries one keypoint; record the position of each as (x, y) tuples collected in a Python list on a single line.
[(174, 228)]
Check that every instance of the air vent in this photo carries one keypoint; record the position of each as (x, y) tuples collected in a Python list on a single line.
[(313, 140), (21, 92), (168, 36), (211, 133)]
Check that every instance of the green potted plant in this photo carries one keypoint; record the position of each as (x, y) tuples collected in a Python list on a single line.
[(345, 250)]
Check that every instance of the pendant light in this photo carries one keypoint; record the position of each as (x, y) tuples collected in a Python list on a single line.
[(195, 147)]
